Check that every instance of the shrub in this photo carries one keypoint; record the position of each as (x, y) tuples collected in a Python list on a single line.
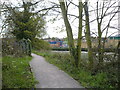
[(11, 47), (38, 44)]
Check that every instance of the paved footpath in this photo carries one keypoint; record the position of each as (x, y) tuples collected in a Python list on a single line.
[(49, 76)]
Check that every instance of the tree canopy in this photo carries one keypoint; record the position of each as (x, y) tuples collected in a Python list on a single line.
[(24, 23)]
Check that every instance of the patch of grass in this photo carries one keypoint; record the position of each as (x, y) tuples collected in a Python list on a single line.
[(82, 75), (16, 73)]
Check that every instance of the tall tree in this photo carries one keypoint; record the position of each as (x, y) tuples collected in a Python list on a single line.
[(76, 53), (100, 56), (88, 36), (102, 10), (25, 24), (80, 32), (68, 28)]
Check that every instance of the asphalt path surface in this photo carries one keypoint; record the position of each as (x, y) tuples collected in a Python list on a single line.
[(49, 76)]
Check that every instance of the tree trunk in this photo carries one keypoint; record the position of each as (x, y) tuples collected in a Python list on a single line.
[(88, 37), (100, 51), (79, 34), (68, 30)]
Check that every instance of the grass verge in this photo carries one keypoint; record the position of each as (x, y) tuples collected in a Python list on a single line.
[(82, 75), (16, 73)]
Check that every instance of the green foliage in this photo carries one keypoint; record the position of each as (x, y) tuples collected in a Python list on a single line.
[(39, 44), (16, 73), (25, 24), (91, 81), (30, 29), (104, 79)]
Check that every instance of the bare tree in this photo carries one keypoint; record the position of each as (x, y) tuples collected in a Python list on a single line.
[(88, 36), (101, 14), (63, 7), (80, 32)]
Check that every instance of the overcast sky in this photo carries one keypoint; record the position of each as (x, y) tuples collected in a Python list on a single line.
[(57, 28)]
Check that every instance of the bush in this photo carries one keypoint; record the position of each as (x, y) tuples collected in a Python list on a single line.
[(38, 44), (11, 47)]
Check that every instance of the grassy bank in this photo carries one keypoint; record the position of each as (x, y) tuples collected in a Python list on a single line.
[(82, 75), (16, 73)]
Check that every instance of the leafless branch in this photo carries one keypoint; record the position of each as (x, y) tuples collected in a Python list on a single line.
[(48, 8), (73, 3), (109, 22)]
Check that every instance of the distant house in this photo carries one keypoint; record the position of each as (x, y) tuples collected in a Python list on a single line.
[(113, 41), (116, 37), (56, 43), (110, 42)]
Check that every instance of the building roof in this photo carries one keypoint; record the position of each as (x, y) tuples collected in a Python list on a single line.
[(117, 37)]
